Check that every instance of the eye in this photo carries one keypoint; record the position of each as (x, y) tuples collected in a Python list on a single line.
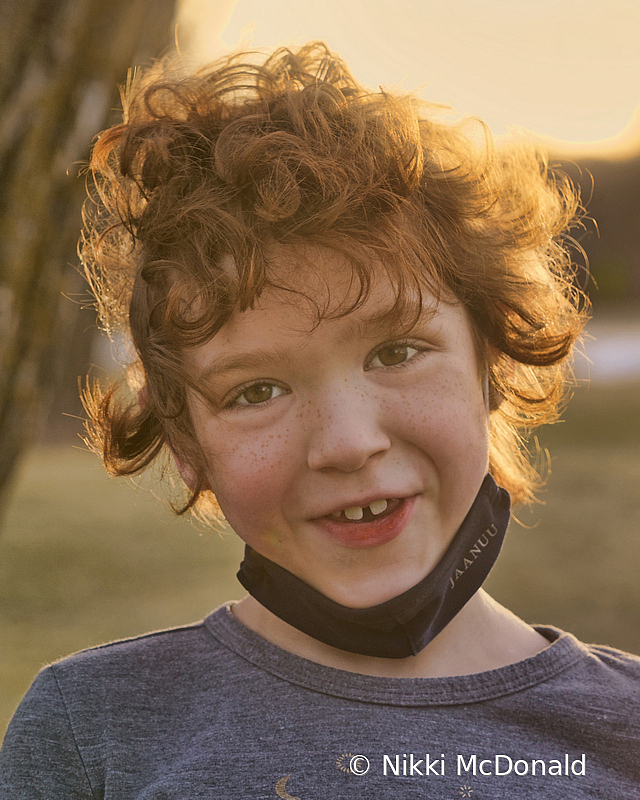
[(392, 355), (256, 394)]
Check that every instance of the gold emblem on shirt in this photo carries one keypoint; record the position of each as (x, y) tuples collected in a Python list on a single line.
[(281, 790)]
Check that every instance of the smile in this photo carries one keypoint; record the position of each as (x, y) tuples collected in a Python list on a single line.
[(374, 510), (377, 523)]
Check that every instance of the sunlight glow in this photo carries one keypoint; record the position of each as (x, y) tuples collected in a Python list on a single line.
[(566, 70)]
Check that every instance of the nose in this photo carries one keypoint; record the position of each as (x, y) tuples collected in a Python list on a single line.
[(345, 431)]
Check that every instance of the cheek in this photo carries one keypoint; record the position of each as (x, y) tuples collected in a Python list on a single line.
[(448, 421), (250, 475)]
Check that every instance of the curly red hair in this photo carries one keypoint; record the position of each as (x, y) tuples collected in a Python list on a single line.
[(238, 159)]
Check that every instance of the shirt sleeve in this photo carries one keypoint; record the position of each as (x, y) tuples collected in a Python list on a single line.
[(40, 759)]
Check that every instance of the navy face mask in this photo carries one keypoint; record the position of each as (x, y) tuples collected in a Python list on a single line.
[(404, 625)]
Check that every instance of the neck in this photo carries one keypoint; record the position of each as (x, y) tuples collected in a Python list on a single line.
[(482, 636)]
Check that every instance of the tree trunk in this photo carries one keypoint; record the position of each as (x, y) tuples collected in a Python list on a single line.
[(60, 64)]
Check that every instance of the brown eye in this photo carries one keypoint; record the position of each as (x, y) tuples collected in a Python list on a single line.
[(393, 354), (258, 393)]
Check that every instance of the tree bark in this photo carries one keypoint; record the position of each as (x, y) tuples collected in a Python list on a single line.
[(60, 64)]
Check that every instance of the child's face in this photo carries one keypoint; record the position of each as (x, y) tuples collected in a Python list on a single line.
[(304, 422)]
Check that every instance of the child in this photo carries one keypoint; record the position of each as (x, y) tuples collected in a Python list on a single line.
[(345, 315)]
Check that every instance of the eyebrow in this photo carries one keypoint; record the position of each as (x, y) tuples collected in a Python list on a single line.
[(371, 325), (246, 360)]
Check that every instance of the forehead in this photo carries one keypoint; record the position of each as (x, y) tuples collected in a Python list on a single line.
[(324, 283), (315, 284), (319, 295)]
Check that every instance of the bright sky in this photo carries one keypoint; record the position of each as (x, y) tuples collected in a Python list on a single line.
[(567, 70)]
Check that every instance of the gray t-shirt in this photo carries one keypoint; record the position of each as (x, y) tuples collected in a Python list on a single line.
[(214, 711)]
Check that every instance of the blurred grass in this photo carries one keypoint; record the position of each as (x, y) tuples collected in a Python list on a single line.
[(577, 564), (85, 559)]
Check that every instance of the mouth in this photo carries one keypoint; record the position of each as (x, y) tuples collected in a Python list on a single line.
[(377, 509), (377, 523)]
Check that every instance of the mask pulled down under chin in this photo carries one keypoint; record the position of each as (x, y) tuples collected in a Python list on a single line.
[(403, 625)]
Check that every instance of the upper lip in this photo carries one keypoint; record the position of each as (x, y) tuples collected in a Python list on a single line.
[(363, 502)]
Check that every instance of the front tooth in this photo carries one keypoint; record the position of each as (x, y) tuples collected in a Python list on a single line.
[(353, 513), (378, 506)]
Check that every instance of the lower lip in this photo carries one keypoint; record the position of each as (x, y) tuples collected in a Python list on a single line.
[(369, 534)]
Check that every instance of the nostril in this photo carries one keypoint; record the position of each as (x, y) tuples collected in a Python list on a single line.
[(347, 452)]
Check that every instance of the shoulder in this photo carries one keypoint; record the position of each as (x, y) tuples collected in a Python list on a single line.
[(142, 655), (614, 673), (602, 683), (81, 711), (602, 660), (614, 660), (112, 678), (598, 657)]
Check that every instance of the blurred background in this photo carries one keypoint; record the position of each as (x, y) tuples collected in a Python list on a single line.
[(85, 558)]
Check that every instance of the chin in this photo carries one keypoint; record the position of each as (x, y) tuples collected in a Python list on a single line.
[(368, 592)]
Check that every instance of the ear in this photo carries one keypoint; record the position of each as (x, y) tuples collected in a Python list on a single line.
[(485, 392), (492, 397), (186, 471)]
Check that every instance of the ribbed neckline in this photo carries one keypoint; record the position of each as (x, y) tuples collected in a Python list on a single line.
[(563, 652)]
